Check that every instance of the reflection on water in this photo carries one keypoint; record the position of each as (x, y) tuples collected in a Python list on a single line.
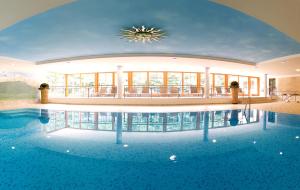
[(145, 122)]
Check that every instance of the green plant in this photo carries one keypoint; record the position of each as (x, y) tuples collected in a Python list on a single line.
[(44, 86), (234, 84)]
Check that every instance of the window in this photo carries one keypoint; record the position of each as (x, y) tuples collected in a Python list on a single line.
[(105, 79), (156, 78), (219, 80), (175, 82), (139, 78), (232, 78), (87, 84), (88, 80), (254, 86), (57, 84), (189, 80), (74, 84), (243, 84)]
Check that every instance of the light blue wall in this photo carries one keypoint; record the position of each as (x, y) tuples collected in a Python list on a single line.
[(199, 27)]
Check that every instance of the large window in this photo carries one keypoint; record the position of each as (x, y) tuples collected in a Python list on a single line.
[(161, 83), (219, 84), (87, 84), (175, 82), (243, 81), (219, 80), (57, 84), (106, 79), (74, 81), (139, 78), (254, 86), (232, 78), (189, 81), (156, 78)]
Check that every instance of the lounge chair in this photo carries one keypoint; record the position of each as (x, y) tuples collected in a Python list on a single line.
[(145, 91), (103, 91), (163, 91), (174, 91)]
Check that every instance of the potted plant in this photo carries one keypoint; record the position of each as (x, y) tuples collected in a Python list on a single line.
[(234, 88), (44, 87)]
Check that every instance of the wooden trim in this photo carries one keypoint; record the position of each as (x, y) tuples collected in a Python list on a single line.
[(213, 83), (96, 82), (198, 82), (226, 84), (113, 79), (258, 86), (130, 81), (165, 76), (66, 85), (249, 86)]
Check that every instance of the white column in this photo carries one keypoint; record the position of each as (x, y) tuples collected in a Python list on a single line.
[(266, 85), (120, 84), (206, 90)]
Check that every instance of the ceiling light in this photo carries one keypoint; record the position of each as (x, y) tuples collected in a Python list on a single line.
[(142, 34), (297, 70)]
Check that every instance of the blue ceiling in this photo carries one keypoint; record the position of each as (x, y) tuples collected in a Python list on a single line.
[(92, 27)]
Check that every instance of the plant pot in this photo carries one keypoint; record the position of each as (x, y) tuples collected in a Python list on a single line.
[(44, 96), (235, 95)]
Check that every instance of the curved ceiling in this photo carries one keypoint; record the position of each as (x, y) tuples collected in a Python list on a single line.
[(282, 15), (14, 11), (92, 27)]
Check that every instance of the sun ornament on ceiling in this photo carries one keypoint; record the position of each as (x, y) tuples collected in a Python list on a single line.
[(143, 34)]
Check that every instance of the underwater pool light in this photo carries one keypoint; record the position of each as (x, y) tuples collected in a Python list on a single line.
[(173, 157)]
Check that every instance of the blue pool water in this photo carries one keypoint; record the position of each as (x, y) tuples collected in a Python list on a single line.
[(229, 149)]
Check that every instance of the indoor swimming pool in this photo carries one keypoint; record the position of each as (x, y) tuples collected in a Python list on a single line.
[(224, 149)]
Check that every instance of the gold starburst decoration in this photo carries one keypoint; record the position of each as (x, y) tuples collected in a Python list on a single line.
[(143, 34)]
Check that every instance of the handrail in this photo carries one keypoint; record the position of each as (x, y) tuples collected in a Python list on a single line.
[(249, 109), (139, 91)]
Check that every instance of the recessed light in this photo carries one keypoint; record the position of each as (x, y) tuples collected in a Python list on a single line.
[(297, 70)]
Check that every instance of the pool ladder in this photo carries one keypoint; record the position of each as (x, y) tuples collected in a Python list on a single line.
[(247, 107)]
